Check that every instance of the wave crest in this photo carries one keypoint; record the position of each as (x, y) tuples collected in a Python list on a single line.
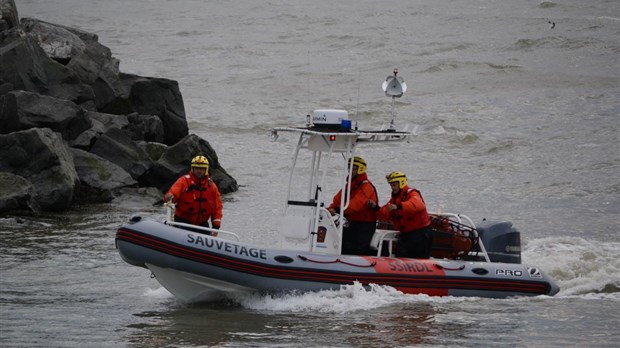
[(580, 266)]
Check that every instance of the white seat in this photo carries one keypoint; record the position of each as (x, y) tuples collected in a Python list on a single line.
[(382, 236)]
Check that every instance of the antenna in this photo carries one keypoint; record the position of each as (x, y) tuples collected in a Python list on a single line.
[(394, 86), (308, 81), (359, 83)]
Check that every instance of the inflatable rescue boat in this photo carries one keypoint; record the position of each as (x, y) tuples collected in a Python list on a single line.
[(467, 259)]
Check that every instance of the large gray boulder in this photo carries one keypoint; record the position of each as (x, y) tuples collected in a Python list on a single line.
[(138, 127), (117, 147), (57, 41), (24, 65), (16, 192), (145, 128), (8, 15), (101, 123), (81, 52), (153, 149), (154, 96), (100, 179), (175, 161), (40, 156), (21, 110)]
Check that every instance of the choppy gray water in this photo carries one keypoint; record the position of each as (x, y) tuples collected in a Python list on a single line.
[(516, 120)]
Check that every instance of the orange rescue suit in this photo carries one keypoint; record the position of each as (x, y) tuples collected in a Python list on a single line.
[(197, 200), (411, 213), (361, 191)]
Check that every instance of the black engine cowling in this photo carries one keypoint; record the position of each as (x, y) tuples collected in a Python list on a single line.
[(501, 240)]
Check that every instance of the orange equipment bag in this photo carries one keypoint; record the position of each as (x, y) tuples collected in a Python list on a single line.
[(451, 239)]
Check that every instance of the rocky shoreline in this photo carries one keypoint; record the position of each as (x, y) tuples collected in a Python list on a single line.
[(75, 130)]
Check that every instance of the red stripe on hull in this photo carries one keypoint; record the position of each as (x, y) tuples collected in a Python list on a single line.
[(432, 283)]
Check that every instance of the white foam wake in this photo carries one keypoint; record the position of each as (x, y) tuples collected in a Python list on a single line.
[(580, 266)]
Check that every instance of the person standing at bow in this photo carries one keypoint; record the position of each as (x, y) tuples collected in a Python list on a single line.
[(407, 211), (362, 220), (197, 197)]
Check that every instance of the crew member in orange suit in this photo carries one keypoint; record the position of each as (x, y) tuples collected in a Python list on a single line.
[(362, 220), (197, 197), (407, 211)]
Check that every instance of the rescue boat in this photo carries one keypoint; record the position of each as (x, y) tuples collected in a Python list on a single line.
[(481, 260)]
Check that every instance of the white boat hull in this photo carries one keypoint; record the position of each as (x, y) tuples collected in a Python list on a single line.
[(197, 267)]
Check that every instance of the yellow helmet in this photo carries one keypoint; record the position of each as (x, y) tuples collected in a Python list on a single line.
[(399, 177), (200, 162), (360, 163)]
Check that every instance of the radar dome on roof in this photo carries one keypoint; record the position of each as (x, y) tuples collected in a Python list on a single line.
[(329, 118)]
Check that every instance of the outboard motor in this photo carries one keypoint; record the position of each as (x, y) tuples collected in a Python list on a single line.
[(501, 240)]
